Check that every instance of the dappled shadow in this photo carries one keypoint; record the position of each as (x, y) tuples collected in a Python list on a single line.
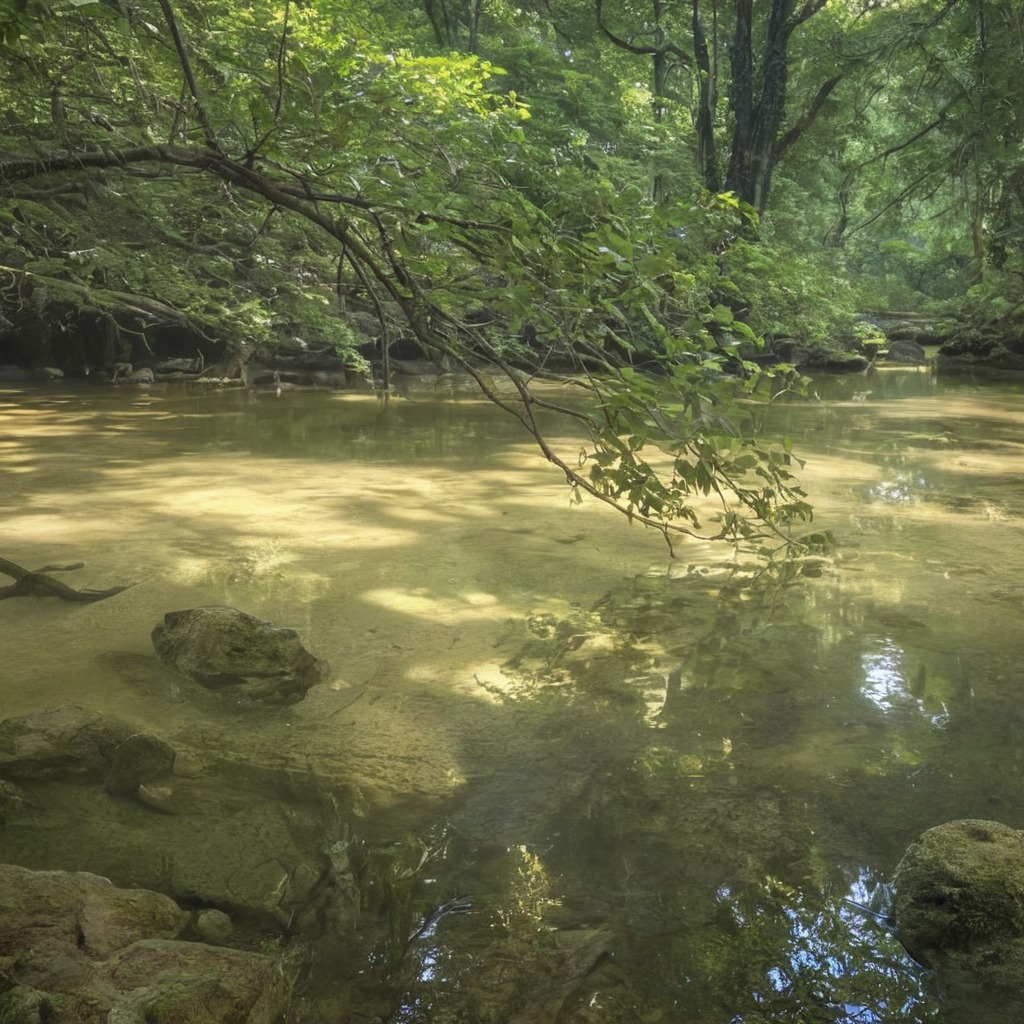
[(595, 743)]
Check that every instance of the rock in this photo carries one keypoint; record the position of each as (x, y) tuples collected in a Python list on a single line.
[(416, 367), (958, 903), (960, 884), (177, 365), (219, 840), (902, 327), (845, 362), (12, 800), (60, 913), (160, 798), (193, 983), (213, 926), (74, 743), (23, 1005), (75, 949), (229, 650), (142, 759), (323, 379), (65, 742), (903, 350)]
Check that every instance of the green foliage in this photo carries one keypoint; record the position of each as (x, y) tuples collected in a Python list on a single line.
[(18, 18), (783, 293), (277, 169), (987, 325)]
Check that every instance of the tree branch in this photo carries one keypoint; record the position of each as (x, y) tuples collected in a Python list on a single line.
[(190, 79), (808, 117), (808, 10), (38, 584), (642, 51), (141, 305)]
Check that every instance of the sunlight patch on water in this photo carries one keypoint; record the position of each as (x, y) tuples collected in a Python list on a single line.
[(902, 488), (41, 529), (883, 677), (425, 604)]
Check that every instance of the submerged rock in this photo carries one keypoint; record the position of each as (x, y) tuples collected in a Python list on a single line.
[(142, 760), (958, 903), (72, 743), (12, 800), (193, 983), (213, 926), (220, 840), (69, 741), (227, 649), (48, 373), (61, 914)]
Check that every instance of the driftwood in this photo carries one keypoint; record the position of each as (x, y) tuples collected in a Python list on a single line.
[(29, 583)]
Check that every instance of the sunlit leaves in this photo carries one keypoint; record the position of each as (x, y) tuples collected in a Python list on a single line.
[(333, 171)]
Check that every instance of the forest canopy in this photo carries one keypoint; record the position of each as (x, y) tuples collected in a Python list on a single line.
[(670, 202)]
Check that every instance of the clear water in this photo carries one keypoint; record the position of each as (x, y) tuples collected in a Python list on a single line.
[(576, 781)]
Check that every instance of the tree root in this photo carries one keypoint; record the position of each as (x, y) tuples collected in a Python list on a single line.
[(29, 583)]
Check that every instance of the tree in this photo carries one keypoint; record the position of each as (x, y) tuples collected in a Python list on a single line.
[(924, 161), (407, 182), (743, 157)]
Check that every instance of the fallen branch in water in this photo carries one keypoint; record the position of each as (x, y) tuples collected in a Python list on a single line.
[(29, 583)]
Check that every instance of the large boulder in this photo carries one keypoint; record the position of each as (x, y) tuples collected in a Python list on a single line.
[(64, 913), (906, 350), (958, 903), (75, 949), (192, 983), (229, 650)]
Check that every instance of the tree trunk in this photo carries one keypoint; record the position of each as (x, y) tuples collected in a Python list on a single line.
[(757, 97), (707, 99), (741, 102)]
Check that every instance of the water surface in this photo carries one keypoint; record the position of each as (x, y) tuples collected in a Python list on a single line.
[(579, 781)]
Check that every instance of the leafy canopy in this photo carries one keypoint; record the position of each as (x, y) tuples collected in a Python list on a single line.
[(273, 167)]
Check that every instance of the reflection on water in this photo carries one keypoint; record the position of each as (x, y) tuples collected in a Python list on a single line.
[(567, 782), (891, 685)]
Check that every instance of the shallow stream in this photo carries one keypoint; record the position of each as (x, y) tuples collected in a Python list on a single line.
[(564, 777)]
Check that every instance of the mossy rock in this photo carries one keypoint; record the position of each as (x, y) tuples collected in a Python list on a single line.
[(959, 886), (959, 909)]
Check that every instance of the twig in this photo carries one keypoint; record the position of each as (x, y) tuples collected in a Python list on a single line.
[(38, 584)]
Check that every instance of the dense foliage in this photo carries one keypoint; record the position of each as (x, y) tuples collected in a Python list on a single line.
[(636, 195)]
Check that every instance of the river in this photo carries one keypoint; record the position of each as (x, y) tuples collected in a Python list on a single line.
[(566, 777)]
